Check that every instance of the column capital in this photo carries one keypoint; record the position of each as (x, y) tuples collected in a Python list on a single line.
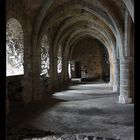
[(116, 61), (127, 60)]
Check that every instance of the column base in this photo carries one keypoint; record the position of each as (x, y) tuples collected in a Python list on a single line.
[(110, 83), (125, 100), (115, 88)]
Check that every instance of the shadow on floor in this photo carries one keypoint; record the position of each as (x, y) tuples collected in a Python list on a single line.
[(19, 112)]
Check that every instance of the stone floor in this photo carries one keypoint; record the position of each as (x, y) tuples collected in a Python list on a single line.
[(89, 109)]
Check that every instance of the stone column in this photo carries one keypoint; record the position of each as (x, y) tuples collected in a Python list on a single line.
[(127, 63), (51, 71), (27, 96), (111, 74), (65, 74), (63, 71), (126, 81), (61, 80), (7, 101), (7, 105), (116, 85), (50, 82), (36, 63), (55, 75)]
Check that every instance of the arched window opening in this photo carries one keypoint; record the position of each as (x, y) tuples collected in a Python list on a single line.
[(45, 60), (14, 48), (59, 60)]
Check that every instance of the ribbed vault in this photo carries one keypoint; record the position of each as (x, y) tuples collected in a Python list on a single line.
[(68, 16), (65, 23)]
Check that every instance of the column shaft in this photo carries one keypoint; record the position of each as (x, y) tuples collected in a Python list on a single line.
[(126, 82), (116, 85)]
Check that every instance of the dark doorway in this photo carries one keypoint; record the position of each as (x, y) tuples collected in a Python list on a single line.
[(78, 69)]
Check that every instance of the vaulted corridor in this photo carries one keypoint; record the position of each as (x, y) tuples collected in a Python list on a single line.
[(70, 69)]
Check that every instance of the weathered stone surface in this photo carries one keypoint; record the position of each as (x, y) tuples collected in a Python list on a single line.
[(68, 25), (98, 19), (81, 136), (89, 53)]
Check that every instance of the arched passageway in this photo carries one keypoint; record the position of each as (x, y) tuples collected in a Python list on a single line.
[(58, 40), (90, 60), (111, 23)]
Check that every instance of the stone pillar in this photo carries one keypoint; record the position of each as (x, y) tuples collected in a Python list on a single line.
[(7, 101), (61, 77), (27, 96), (50, 82), (116, 85), (126, 81), (65, 74), (55, 75), (51, 70), (63, 71), (127, 63), (36, 94), (7, 105), (111, 74)]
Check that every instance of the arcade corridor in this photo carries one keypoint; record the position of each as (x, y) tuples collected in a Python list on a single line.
[(70, 69)]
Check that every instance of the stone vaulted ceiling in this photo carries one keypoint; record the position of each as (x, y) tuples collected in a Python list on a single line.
[(66, 21)]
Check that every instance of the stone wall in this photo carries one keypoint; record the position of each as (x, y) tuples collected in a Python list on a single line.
[(15, 87)]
